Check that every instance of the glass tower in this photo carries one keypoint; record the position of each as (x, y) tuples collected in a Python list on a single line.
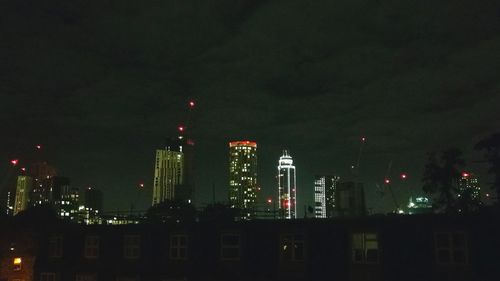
[(243, 177)]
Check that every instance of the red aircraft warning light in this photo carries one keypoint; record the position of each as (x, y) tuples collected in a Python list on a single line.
[(38, 146), (363, 139), (191, 104), (404, 176), (269, 200), (387, 181), (465, 174), (181, 128), (14, 162), (23, 169), (141, 185)]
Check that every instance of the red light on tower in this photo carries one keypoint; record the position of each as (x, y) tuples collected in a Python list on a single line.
[(363, 139), (387, 181), (191, 104), (141, 185), (38, 146), (404, 176), (181, 128), (465, 174), (269, 200), (14, 162), (23, 169)]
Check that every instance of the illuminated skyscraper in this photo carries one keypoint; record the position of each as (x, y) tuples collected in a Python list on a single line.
[(324, 196), (173, 178), (287, 192), (243, 176), (469, 186), (23, 189)]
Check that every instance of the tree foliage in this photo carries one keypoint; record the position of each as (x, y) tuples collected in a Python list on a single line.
[(491, 147), (441, 179)]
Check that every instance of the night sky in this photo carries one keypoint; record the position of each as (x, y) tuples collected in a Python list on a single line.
[(101, 84)]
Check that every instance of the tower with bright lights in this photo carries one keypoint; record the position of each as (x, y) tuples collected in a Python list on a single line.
[(324, 195), (173, 179), (243, 177), (469, 186), (23, 190), (287, 190)]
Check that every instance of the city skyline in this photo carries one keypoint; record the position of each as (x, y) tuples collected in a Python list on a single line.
[(101, 88)]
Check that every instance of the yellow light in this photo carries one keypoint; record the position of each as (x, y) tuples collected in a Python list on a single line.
[(17, 261)]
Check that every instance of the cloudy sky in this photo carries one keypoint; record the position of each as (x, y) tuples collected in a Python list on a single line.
[(101, 84)]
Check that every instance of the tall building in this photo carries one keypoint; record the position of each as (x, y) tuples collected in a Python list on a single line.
[(324, 195), (91, 210), (419, 205), (287, 188), (350, 199), (468, 185), (56, 192), (23, 190), (173, 179), (243, 176)]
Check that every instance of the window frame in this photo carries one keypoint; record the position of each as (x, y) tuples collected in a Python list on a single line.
[(92, 250), (451, 248), (293, 239), (224, 246), (55, 246), (45, 275), (132, 246), (364, 248), (175, 249)]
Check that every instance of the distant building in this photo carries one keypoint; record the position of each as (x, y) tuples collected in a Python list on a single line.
[(324, 195), (243, 176), (23, 190), (287, 189), (469, 185), (56, 192), (350, 199), (419, 205), (10, 203), (173, 179)]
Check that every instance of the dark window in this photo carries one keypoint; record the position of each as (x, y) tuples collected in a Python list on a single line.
[(131, 246), (178, 247), (292, 247), (230, 246), (450, 247), (91, 246), (56, 246), (365, 248)]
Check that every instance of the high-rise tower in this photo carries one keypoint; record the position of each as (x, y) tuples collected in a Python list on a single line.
[(23, 190), (243, 176), (324, 196), (173, 179), (287, 192), (469, 186)]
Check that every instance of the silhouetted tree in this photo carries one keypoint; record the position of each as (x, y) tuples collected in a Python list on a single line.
[(491, 146), (441, 178), (171, 211)]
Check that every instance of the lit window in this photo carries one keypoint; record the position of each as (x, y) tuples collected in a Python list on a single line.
[(17, 264), (131, 246), (451, 247), (230, 247), (292, 247), (47, 276), (178, 247), (55, 246), (365, 248), (91, 246)]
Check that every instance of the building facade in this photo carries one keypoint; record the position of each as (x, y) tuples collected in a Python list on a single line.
[(324, 195), (350, 199), (23, 189), (287, 187), (243, 177), (173, 178), (469, 186)]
